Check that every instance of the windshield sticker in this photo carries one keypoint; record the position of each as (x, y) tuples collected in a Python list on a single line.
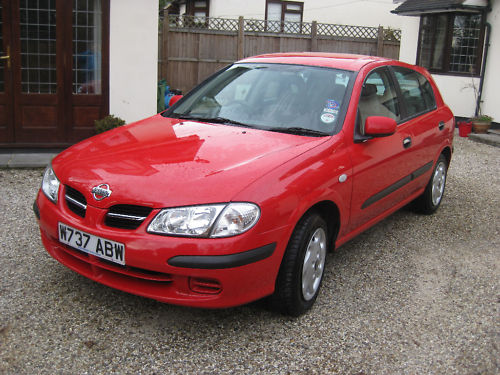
[(328, 118), (332, 104), (328, 110)]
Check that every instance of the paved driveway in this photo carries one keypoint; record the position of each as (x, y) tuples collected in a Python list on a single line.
[(413, 295)]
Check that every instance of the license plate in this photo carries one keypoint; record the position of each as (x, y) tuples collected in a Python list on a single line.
[(94, 245)]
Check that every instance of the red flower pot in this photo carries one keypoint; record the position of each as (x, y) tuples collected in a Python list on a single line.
[(464, 128)]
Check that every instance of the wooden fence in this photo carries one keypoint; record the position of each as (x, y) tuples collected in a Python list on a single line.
[(191, 48)]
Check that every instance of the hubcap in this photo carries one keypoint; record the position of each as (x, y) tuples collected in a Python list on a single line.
[(438, 181), (314, 264)]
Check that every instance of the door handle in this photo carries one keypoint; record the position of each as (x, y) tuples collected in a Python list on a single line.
[(6, 57), (407, 142), (441, 125)]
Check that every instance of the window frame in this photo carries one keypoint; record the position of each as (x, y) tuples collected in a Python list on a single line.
[(405, 116), (284, 4), (358, 136), (191, 8), (448, 43)]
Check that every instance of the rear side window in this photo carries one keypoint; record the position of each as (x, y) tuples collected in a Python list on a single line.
[(417, 91)]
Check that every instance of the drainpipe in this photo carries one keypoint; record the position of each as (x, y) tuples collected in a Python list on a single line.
[(483, 68)]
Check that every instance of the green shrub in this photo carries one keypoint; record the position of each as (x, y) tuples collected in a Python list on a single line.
[(107, 123), (483, 118)]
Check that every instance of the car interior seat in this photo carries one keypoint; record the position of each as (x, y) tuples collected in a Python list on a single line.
[(370, 105)]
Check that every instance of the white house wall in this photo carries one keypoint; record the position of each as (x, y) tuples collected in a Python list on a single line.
[(133, 58), (491, 92), (458, 91), (355, 12)]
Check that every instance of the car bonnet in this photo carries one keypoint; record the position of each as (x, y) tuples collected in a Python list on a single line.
[(162, 162)]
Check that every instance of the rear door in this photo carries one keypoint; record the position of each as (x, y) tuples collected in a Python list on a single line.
[(425, 122)]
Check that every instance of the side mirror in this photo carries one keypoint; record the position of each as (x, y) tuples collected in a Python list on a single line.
[(174, 99), (379, 126)]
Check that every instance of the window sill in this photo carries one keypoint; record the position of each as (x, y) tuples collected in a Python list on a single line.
[(467, 75)]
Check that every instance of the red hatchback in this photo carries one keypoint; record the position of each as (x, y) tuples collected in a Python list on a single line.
[(240, 189)]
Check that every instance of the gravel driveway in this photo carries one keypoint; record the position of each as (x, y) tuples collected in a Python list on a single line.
[(413, 295)]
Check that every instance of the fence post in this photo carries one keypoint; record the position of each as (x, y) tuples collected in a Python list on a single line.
[(314, 36), (241, 37), (164, 47), (380, 41)]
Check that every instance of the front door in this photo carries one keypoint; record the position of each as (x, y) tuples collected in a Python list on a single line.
[(6, 95), (380, 165), (53, 71)]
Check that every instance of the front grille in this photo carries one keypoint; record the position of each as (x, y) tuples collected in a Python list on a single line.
[(126, 216), (75, 201)]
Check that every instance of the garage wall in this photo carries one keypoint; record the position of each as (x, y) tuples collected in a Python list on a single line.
[(133, 58)]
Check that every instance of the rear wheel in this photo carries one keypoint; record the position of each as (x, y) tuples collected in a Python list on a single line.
[(431, 198), (302, 268)]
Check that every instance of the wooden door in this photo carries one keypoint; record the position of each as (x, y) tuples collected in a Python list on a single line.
[(56, 84), (37, 31), (6, 120)]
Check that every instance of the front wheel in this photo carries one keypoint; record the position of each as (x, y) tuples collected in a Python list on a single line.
[(431, 198), (301, 272)]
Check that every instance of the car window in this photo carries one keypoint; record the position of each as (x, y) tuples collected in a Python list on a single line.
[(272, 97), (378, 98), (417, 91)]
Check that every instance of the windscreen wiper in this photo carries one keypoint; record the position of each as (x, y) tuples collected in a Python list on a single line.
[(299, 131), (215, 120)]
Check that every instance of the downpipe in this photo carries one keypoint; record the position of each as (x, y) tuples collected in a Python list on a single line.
[(483, 68)]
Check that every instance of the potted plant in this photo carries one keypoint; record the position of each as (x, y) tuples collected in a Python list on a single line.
[(481, 123)]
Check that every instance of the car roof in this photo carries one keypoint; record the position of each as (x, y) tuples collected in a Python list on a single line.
[(331, 60)]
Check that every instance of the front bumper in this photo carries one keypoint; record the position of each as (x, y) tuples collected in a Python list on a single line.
[(210, 273)]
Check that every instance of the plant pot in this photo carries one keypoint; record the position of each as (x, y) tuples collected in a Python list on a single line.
[(481, 127), (464, 128)]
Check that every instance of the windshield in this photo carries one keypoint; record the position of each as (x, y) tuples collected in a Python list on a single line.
[(287, 98)]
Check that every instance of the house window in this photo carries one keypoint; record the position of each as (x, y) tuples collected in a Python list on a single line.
[(451, 43), (278, 12), (199, 9)]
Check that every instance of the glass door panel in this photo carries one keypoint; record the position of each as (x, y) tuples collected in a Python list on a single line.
[(87, 46), (37, 23)]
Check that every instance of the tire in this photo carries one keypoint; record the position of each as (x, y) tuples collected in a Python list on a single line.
[(302, 268), (433, 194)]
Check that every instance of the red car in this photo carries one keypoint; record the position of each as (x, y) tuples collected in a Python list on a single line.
[(240, 189)]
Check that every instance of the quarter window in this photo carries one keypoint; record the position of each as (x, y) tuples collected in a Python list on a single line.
[(417, 91)]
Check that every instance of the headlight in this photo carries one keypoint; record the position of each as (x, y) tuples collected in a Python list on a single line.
[(218, 220), (235, 219), (50, 184)]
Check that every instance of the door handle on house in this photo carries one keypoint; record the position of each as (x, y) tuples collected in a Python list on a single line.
[(407, 142), (6, 57)]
